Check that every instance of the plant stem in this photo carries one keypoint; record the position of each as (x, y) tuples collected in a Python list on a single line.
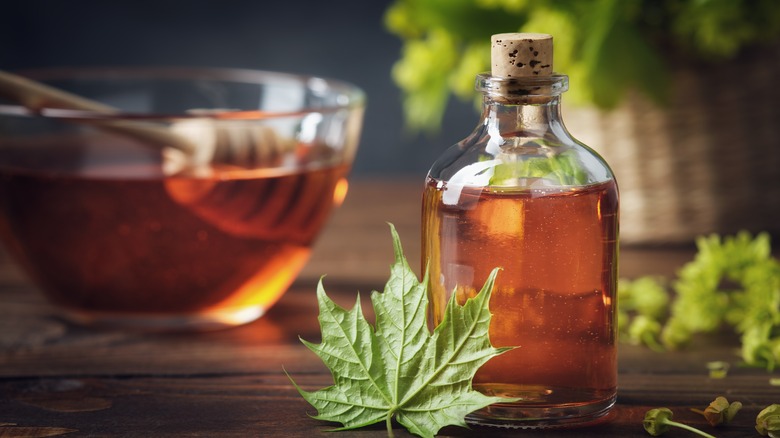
[(688, 428), (389, 423)]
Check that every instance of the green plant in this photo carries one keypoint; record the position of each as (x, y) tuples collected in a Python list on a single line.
[(398, 369), (720, 411), (605, 46), (659, 421), (733, 281), (768, 421)]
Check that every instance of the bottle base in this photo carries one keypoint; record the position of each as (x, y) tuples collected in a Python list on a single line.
[(532, 414)]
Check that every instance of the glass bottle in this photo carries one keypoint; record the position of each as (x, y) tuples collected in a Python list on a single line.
[(522, 194)]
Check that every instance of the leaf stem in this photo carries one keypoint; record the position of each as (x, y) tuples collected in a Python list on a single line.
[(688, 428), (389, 423)]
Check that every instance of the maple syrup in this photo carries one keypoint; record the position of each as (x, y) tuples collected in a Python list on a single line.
[(554, 297)]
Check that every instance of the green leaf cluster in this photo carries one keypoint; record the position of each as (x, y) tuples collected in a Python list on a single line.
[(562, 168), (732, 281), (605, 46), (400, 370)]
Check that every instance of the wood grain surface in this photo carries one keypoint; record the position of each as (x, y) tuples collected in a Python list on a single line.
[(57, 379)]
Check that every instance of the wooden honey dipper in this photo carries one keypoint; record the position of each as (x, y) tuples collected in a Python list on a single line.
[(187, 145)]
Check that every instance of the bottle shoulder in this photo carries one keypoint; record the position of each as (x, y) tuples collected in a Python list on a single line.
[(517, 159)]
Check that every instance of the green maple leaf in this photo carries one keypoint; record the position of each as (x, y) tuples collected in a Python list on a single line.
[(401, 370)]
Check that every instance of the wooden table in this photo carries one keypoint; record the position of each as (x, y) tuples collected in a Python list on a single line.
[(59, 379)]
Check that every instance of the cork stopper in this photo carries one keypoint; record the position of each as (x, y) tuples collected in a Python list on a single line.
[(515, 55)]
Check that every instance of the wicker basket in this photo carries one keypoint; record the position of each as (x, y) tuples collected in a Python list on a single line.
[(709, 162)]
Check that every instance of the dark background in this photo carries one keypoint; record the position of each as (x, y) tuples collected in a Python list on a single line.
[(342, 39)]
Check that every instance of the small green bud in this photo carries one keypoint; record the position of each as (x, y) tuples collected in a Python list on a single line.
[(720, 411), (656, 421), (768, 421), (718, 369)]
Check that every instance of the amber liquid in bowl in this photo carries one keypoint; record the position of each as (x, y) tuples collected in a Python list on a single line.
[(118, 242)]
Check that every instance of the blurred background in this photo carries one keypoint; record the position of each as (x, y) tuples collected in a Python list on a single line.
[(341, 39), (678, 95)]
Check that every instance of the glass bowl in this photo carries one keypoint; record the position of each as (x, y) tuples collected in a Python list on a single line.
[(182, 199)]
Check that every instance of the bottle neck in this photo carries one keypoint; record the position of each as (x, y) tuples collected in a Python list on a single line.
[(517, 119), (522, 111)]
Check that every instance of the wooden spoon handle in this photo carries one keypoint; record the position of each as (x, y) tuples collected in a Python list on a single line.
[(36, 96)]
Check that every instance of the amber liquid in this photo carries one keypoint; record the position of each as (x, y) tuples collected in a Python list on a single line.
[(119, 240), (554, 299)]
